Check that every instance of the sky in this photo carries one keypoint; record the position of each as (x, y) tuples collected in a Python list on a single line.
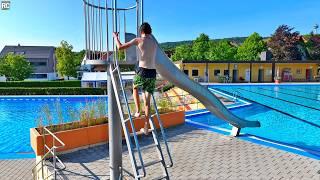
[(47, 22)]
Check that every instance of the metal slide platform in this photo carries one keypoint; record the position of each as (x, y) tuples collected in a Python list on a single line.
[(169, 71)]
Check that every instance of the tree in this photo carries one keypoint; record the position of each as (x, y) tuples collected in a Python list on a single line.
[(15, 67), (67, 63), (182, 52), (313, 47), (79, 57), (221, 50), (201, 47), (284, 44), (251, 48)]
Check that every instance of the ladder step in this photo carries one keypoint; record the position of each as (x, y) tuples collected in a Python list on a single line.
[(113, 70), (126, 120), (151, 163), (145, 147), (141, 133), (160, 177)]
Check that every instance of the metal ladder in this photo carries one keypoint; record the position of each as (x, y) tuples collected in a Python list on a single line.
[(235, 95), (127, 120)]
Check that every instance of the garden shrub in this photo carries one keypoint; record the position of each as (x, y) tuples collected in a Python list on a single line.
[(51, 91)]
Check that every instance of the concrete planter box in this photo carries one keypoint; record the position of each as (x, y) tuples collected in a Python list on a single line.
[(88, 136)]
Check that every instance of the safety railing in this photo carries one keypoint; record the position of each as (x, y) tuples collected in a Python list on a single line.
[(235, 95), (166, 102), (51, 152)]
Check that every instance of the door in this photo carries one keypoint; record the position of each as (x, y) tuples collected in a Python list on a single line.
[(247, 77), (308, 74)]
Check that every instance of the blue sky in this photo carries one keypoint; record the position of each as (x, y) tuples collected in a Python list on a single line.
[(47, 22)]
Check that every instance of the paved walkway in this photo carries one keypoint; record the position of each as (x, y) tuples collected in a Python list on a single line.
[(200, 154), (16, 169)]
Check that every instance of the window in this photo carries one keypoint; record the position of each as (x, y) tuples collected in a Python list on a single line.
[(38, 63), (195, 72), (20, 53), (226, 72), (103, 85), (186, 72), (216, 72), (299, 71), (38, 76), (90, 84)]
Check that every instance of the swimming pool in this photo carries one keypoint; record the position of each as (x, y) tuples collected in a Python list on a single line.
[(19, 113), (289, 115)]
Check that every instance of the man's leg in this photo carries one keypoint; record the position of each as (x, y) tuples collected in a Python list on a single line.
[(146, 98), (136, 99)]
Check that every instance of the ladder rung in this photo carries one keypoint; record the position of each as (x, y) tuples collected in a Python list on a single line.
[(126, 120), (140, 132), (160, 177), (113, 70), (151, 163), (145, 147)]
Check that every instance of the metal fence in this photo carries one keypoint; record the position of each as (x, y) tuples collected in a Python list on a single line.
[(50, 152)]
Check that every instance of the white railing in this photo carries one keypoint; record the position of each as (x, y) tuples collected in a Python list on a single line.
[(235, 95), (52, 152)]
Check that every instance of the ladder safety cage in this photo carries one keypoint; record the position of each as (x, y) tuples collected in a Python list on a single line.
[(97, 53)]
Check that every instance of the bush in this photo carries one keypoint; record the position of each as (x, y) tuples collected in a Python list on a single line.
[(167, 87), (51, 91), (41, 84)]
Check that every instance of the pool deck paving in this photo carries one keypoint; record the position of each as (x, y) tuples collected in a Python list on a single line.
[(199, 154), (16, 169)]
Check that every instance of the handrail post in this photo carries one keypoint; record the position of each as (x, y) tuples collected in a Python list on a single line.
[(44, 148), (115, 140), (54, 163)]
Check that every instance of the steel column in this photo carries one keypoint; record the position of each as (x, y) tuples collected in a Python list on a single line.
[(115, 136)]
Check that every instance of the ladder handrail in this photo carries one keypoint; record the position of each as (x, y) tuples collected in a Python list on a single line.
[(162, 130), (117, 83), (127, 136)]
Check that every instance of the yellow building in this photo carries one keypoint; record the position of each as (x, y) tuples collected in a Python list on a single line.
[(251, 71)]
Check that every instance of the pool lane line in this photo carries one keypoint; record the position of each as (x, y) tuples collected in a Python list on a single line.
[(290, 94), (317, 109), (49, 96), (300, 90), (282, 112)]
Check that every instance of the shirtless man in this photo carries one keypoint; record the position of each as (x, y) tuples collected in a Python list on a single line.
[(146, 73)]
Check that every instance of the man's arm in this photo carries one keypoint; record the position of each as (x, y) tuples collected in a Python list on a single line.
[(125, 45)]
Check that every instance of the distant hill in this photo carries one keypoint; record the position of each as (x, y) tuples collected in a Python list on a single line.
[(172, 45)]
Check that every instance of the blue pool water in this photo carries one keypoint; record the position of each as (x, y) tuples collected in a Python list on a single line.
[(289, 114), (19, 114)]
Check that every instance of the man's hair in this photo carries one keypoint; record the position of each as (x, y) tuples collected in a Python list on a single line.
[(145, 28)]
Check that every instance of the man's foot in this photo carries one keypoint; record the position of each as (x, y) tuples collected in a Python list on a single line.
[(136, 115), (146, 130)]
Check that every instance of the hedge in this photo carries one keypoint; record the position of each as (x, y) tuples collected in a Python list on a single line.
[(52, 91), (41, 84), (167, 87)]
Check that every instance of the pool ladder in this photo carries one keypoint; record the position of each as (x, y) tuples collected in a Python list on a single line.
[(235, 95), (128, 123)]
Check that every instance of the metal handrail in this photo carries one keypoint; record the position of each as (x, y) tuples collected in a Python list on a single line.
[(101, 7), (51, 151), (181, 104), (235, 95)]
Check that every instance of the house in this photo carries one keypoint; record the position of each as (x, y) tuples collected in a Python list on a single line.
[(42, 58), (99, 79), (250, 71)]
